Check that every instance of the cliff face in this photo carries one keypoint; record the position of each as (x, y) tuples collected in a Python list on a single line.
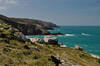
[(28, 26)]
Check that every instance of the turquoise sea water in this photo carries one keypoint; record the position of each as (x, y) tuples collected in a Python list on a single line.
[(87, 37)]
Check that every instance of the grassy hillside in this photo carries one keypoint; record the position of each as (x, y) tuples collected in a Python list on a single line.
[(14, 52)]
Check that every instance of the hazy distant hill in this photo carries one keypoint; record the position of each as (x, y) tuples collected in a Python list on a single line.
[(28, 26)]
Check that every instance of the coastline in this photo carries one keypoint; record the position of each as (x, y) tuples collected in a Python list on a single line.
[(16, 49), (35, 36), (72, 38)]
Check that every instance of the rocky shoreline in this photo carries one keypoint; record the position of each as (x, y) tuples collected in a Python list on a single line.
[(29, 26), (53, 40), (17, 50)]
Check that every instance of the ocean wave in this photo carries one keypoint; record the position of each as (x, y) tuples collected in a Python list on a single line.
[(69, 35), (85, 34)]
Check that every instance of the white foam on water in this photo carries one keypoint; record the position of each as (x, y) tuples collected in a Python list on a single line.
[(69, 35), (85, 34)]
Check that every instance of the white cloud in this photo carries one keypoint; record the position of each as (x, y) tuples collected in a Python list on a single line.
[(11, 1), (3, 8), (5, 4)]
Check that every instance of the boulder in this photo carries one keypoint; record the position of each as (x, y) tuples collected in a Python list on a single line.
[(60, 62), (56, 60), (20, 36), (36, 40), (50, 40), (62, 45), (78, 47)]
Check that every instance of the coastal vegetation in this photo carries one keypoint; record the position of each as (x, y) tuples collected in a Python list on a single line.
[(16, 50)]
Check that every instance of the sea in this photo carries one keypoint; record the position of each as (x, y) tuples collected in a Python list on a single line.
[(88, 37)]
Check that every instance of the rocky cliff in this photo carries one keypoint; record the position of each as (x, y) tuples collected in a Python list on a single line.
[(28, 26)]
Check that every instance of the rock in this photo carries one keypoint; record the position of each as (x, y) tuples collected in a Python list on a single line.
[(56, 60), (62, 45), (78, 48), (59, 62), (50, 40), (34, 48), (31, 47), (20, 36), (26, 47), (57, 33), (36, 40)]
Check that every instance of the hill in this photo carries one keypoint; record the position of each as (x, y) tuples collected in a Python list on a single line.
[(17, 50), (28, 26)]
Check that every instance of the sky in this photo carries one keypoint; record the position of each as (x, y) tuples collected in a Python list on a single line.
[(60, 12)]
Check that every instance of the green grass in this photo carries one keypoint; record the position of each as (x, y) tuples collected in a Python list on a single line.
[(13, 53)]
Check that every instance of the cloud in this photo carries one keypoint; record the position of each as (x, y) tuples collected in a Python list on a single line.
[(3, 8), (5, 4), (11, 1)]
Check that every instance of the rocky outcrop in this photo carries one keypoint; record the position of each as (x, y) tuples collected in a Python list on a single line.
[(62, 45), (78, 48), (60, 62), (36, 40), (20, 36), (8, 32), (56, 60), (50, 40)]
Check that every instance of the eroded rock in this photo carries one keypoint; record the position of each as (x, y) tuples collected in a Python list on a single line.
[(51, 40), (78, 48)]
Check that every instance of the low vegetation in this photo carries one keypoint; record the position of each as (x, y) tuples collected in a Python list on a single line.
[(14, 52)]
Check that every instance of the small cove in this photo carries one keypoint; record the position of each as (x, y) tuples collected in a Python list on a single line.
[(87, 37)]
